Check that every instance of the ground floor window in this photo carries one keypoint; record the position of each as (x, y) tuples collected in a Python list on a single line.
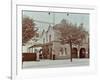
[(65, 50)]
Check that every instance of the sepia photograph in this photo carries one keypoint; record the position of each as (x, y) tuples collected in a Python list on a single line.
[(55, 39)]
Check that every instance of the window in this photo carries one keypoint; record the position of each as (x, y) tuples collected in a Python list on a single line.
[(65, 50), (61, 50)]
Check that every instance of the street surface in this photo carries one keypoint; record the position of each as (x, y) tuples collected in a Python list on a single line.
[(55, 63)]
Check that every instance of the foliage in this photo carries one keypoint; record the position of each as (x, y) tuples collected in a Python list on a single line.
[(28, 29), (73, 33)]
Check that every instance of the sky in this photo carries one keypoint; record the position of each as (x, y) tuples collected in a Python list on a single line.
[(44, 19)]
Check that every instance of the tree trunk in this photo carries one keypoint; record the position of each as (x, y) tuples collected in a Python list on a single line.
[(70, 43)]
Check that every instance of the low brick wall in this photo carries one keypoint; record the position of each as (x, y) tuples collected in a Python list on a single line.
[(28, 56)]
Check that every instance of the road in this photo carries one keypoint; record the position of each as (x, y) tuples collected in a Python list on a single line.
[(55, 63)]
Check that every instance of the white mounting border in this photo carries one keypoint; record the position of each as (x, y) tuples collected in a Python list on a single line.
[(17, 72)]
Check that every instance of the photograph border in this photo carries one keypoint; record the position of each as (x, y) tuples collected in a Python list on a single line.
[(15, 71)]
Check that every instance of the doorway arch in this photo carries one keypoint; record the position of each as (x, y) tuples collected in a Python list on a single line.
[(82, 53)]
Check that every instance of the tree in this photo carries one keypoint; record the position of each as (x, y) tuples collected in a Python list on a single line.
[(72, 34), (28, 29)]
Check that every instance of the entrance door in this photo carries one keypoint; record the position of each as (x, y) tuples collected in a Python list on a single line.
[(74, 53), (82, 53)]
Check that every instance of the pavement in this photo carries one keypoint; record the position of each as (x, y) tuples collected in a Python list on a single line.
[(55, 63)]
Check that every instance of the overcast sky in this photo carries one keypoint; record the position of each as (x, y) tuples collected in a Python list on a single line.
[(45, 18)]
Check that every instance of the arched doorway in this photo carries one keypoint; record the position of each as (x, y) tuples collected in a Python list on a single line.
[(82, 53), (74, 53)]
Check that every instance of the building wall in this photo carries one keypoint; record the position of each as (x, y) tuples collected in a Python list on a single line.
[(61, 51)]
